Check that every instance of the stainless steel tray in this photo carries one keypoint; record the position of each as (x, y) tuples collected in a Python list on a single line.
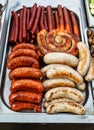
[(7, 115), (90, 18)]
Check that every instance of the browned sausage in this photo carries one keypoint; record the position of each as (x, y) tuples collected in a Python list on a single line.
[(25, 96), (20, 106), (25, 72), (23, 61), (12, 32), (45, 21), (28, 17), (33, 15), (75, 24), (20, 26), (22, 52), (27, 85), (61, 17), (49, 17), (67, 20), (56, 20), (53, 19), (34, 28), (15, 18), (24, 22), (42, 26), (24, 46)]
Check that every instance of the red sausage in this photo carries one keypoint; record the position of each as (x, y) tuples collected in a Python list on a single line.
[(25, 96), (33, 15), (25, 72), (15, 17), (23, 61), (27, 85), (61, 18), (56, 20), (20, 106), (21, 27), (34, 28), (24, 46), (24, 22), (75, 24), (49, 18), (67, 20), (42, 20), (45, 21)]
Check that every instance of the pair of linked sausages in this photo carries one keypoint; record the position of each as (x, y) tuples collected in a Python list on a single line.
[(26, 89)]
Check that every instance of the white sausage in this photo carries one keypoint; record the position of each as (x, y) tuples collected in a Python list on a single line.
[(84, 58), (57, 82), (64, 92), (67, 106), (65, 72), (61, 58)]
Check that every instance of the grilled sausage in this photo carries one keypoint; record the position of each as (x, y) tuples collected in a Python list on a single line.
[(22, 52), (25, 72), (26, 85), (57, 82), (20, 106), (25, 96), (84, 58), (61, 58), (65, 72), (66, 106), (23, 61), (24, 46), (64, 92)]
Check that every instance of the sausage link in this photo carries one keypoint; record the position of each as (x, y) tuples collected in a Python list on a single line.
[(27, 85), (12, 32), (49, 18), (33, 15), (45, 21), (23, 61), (61, 17), (24, 22), (34, 28), (24, 46), (20, 106), (56, 20), (25, 72), (53, 20), (75, 24), (15, 17), (42, 20), (67, 20), (28, 17), (22, 52), (20, 27), (25, 96)]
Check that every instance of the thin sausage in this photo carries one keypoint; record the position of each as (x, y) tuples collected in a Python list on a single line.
[(75, 24), (49, 18), (42, 20), (61, 17), (56, 20), (24, 46), (20, 27), (67, 20), (23, 61), (24, 22), (25, 96), (33, 15), (20, 106), (15, 17), (34, 28), (45, 21), (27, 85), (25, 72), (22, 52)]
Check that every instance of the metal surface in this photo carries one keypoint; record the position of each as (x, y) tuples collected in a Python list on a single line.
[(7, 115)]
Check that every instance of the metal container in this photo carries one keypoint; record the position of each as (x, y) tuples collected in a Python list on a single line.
[(6, 114)]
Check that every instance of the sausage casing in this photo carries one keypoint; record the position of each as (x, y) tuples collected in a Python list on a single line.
[(23, 61), (25, 72), (26, 85), (25, 96)]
